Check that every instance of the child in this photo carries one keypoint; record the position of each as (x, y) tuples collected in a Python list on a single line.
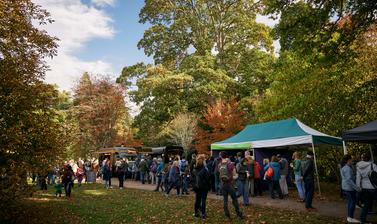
[(58, 188)]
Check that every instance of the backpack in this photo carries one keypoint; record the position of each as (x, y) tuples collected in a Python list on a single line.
[(269, 173), (224, 172), (183, 166), (373, 176), (154, 167)]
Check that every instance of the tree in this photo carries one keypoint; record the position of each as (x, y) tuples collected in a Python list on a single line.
[(220, 120), (330, 97), (329, 27), (178, 25), (203, 51), (30, 134), (181, 130), (163, 93), (100, 112)]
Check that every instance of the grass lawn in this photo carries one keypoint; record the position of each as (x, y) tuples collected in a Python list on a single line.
[(92, 203)]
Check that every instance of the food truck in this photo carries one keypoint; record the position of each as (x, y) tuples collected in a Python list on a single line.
[(115, 153)]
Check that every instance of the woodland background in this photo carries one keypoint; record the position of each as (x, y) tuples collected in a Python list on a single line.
[(215, 70)]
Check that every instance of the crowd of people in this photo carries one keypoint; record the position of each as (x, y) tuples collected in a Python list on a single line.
[(234, 176), (64, 177)]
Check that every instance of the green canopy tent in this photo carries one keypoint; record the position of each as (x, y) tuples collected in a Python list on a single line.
[(290, 132)]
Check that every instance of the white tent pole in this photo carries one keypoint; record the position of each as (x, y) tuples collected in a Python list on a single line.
[(316, 169), (371, 152), (345, 151)]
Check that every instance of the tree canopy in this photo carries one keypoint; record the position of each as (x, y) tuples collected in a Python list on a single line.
[(30, 132)]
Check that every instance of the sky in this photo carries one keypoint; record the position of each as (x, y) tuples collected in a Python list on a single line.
[(96, 36)]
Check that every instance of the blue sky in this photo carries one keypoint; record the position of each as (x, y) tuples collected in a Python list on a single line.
[(122, 49), (98, 36)]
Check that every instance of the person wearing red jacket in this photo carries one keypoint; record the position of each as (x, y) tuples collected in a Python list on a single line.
[(257, 179)]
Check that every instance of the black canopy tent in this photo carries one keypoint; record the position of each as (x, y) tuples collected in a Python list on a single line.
[(366, 133), (172, 150)]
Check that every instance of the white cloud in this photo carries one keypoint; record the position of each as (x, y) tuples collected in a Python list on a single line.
[(267, 20), (75, 25), (271, 23), (103, 3), (67, 69)]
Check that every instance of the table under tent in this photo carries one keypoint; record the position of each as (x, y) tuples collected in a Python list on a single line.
[(276, 137), (366, 133)]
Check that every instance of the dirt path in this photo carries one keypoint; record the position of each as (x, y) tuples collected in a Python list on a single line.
[(331, 209)]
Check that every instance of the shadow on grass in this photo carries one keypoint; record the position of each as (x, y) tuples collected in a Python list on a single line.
[(91, 203)]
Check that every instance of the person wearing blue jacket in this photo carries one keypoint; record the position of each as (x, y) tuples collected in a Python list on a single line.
[(274, 184), (349, 186), (160, 169), (174, 178)]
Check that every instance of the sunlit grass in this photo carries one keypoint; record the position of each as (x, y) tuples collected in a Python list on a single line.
[(92, 203), (93, 192)]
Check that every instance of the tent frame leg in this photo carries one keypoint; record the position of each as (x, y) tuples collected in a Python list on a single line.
[(345, 151), (316, 169), (371, 152)]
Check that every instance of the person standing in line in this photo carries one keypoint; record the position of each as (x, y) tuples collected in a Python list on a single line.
[(143, 168), (250, 169), (228, 174), (174, 178), (159, 173), (238, 158), (242, 180), (148, 176), (184, 172), (106, 172), (349, 187), (217, 176), (257, 179), (201, 186), (153, 171), (121, 170), (298, 176), (283, 175), (368, 190), (165, 175), (273, 182), (308, 176)]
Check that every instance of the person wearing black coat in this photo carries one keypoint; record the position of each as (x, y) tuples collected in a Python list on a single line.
[(201, 185)]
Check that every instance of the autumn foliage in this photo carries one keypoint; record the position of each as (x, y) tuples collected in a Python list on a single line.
[(220, 120), (100, 112)]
